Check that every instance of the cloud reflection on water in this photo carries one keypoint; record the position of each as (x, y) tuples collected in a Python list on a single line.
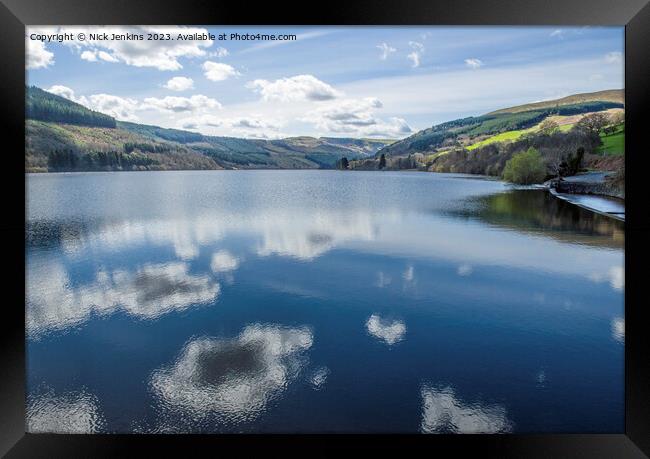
[(390, 332), (231, 379), (75, 412), (444, 412), (147, 293), (618, 329)]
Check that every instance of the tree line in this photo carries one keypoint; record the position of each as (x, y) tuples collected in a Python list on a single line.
[(67, 160), (44, 106)]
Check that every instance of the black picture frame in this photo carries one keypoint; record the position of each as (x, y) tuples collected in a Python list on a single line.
[(633, 14)]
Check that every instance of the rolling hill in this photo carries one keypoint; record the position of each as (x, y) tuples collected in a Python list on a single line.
[(62, 135), (609, 95), (467, 131)]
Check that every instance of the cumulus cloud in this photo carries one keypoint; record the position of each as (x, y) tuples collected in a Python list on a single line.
[(179, 84), (68, 413), (217, 71), (615, 57), (38, 56), (384, 330), (473, 63), (219, 52), (159, 54), (118, 107), (414, 56), (356, 116), (115, 106), (386, 50), (253, 126), (66, 92), (444, 412), (295, 88), (90, 56), (177, 104), (231, 379)]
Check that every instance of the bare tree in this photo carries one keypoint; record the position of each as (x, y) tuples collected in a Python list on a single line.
[(548, 127), (594, 122)]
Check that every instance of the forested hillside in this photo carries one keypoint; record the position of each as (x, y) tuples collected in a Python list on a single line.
[(44, 106), (453, 133), (558, 138), (62, 135)]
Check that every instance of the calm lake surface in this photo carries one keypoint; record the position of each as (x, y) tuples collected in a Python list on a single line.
[(311, 301)]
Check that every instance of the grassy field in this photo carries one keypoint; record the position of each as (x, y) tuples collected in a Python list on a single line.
[(510, 136), (565, 124), (613, 144)]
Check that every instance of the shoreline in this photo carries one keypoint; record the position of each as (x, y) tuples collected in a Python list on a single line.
[(600, 204)]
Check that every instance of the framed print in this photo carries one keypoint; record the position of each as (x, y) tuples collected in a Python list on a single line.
[(359, 226)]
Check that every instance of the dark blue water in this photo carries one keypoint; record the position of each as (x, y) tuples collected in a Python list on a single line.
[(311, 301)]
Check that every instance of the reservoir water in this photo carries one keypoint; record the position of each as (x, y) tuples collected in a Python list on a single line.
[(319, 301)]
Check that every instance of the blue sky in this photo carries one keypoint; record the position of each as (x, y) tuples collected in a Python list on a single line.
[(383, 82)]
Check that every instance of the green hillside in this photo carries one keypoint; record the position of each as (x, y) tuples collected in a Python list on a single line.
[(613, 142), (63, 135), (44, 106), (453, 133)]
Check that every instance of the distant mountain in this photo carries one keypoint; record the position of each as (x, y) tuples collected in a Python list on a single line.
[(63, 135), (609, 95), (455, 133)]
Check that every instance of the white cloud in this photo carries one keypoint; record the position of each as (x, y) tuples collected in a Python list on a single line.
[(473, 63), (179, 84), (615, 57), (177, 104), (118, 107), (217, 71), (93, 55), (356, 116), (443, 412), (414, 56), (90, 56), (253, 126), (160, 54), (386, 50), (219, 52), (389, 332), (296, 88), (557, 33), (66, 92), (37, 56), (115, 106), (103, 55)]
